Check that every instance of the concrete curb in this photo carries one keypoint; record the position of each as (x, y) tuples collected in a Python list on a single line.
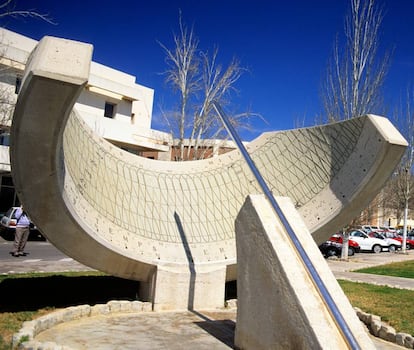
[(24, 339), (384, 331)]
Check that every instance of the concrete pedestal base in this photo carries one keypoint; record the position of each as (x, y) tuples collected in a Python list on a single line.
[(183, 287), (278, 304)]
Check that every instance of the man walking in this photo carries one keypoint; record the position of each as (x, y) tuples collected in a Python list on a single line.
[(22, 232)]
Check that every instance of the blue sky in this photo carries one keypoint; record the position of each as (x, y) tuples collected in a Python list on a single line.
[(284, 44)]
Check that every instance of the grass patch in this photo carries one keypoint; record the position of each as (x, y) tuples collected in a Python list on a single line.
[(11, 322), (24, 297), (395, 306), (397, 269)]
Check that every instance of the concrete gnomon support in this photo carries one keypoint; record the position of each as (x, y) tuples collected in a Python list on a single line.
[(279, 306), (186, 287)]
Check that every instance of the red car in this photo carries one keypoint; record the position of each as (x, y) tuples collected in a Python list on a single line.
[(409, 242), (353, 247)]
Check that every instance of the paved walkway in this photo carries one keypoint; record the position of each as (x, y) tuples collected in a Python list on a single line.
[(190, 330), (343, 269)]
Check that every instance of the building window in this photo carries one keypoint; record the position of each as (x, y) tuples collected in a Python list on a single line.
[(5, 139), (109, 110), (17, 85)]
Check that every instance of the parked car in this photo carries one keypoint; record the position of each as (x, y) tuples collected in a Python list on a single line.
[(410, 234), (330, 248), (409, 241), (388, 230), (353, 247), (8, 223), (368, 243), (368, 228), (333, 247), (393, 244)]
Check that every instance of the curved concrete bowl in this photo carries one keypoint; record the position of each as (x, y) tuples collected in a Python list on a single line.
[(126, 215)]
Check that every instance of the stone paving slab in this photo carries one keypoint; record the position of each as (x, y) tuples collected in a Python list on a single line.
[(183, 330), (147, 331)]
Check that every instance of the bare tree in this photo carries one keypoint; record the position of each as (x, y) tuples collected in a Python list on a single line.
[(10, 72), (182, 75), (8, 9), (217, 84), (355, 73), (402, 184), (199, 79), (7, 98)]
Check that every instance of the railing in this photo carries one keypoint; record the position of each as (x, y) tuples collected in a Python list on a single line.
[(323, 291)]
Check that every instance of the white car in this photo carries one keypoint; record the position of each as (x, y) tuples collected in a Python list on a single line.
[(368, 228), (366, 242), (393, 244), (9, 219), (8, 224)]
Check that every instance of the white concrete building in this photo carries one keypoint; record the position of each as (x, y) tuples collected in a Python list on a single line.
[(112, 104)]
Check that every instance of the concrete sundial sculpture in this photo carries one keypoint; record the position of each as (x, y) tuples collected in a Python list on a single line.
[(144, 219)]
